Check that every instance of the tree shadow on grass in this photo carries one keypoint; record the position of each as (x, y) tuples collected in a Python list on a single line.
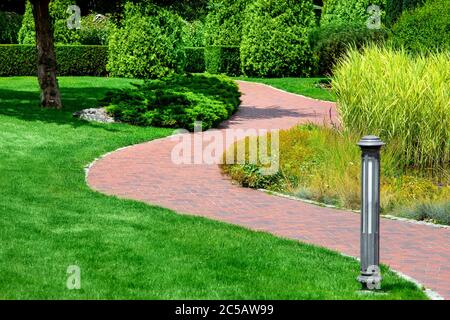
[(24, 105)]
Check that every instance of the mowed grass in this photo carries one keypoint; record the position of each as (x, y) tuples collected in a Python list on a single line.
[(50, 219), (308, 87)]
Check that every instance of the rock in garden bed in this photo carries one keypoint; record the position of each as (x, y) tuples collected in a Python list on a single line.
[(95, 114)]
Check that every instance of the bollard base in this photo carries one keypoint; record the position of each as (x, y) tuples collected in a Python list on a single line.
[(370, 281)]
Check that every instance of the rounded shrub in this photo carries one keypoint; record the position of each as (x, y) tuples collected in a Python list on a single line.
[(149, 45), (425, 28), (223, 25), (347, 11), (275, 38), (331, 41)]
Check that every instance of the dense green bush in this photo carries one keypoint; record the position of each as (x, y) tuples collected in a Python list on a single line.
[(149, 45), (221, 59), (95, 30), (193, 34), (424, 29), (176, 101), (394, 9), (61, 33), (402, 99), (331, 41), (275, 38), (10, 23), (21, 60), (348, 11), (195, 59), (223, 25)]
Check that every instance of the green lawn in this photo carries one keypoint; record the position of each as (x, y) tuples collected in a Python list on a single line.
[(50, 219), (304, 86)]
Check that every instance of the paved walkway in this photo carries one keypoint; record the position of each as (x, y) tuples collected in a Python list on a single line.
[(145, 172)]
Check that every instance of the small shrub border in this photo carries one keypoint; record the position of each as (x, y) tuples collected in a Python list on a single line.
[(20, 60)]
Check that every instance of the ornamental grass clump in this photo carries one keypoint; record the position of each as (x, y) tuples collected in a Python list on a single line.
[(403, 99)]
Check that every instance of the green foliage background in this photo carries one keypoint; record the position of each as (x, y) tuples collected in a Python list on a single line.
[(425, 28), (149, 45), (331, 41), (195, 59), (275, 38), (10, 24), (394, 9), (223, 59), (61, 33), (347, 11), (223, 26)]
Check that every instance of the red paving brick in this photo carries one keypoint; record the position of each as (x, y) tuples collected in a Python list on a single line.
[(145, 172)]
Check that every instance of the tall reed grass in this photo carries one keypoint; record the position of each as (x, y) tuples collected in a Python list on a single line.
[(403, 99)]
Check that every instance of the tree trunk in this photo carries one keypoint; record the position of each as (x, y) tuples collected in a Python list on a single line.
[(46, 71)]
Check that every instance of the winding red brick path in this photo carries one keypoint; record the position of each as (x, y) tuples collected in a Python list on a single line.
[(145, 172)]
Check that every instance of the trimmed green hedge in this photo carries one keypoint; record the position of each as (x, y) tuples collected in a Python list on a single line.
[(20, 60), (222, 59), (195, 59)]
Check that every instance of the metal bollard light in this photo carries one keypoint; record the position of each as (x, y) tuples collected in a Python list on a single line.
[(370, 276)]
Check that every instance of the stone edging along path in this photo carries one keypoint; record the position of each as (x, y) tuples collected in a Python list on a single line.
[(145, 172)]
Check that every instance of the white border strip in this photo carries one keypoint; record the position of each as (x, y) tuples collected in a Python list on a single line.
[(432, 295), (385, 216)]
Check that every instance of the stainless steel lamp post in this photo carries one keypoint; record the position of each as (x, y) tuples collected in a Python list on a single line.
[(370, 276)]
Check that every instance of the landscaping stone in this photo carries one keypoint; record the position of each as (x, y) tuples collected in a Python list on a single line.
[(95, 115)]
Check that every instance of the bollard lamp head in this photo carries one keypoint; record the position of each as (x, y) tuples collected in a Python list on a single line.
[(370, 142)]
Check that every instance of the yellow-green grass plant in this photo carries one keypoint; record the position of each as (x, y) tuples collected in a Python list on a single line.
[(403, 99)]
